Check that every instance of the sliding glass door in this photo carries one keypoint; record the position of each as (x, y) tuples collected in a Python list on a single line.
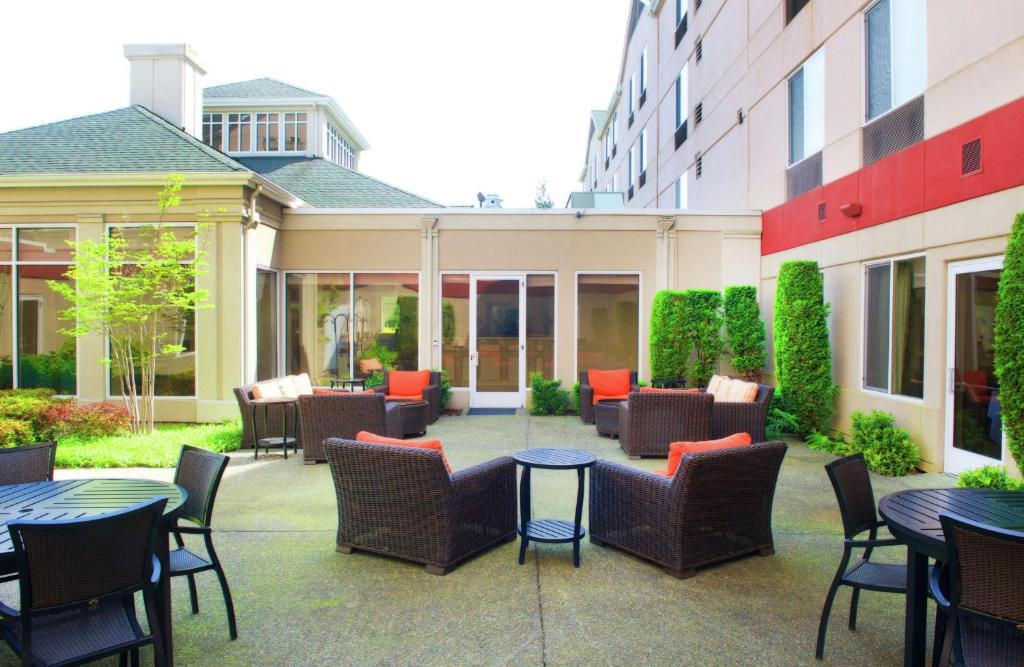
[(497, 335)]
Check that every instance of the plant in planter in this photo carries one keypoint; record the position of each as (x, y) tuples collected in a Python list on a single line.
[(670, 346), (1009, 341), (702, 322), (745, 329), (548, 397)]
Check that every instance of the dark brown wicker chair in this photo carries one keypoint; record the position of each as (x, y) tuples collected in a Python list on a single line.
[(29, 463), (199, 471), (401, 502), (718, 506), (587, 395), (648, 422), (272, 428), (432, 394), (343, 416), (984, 606), (731, 417), (852, 484), (78, 583)]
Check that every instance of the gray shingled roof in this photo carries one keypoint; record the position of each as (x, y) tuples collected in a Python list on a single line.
[(256, 88), (326, 185), (132, 139)]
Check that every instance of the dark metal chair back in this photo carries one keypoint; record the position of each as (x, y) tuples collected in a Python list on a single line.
[(29, 463), (76, 562), (852, 484), (199, 472), (986, 590)]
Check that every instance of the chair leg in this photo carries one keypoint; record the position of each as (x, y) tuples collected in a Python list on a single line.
[(819, 649), (854, 599), (228, 603), (159, 653), (192, 594), (122, 660), (135, 657)]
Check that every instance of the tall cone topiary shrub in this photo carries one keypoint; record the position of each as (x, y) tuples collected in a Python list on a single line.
[(1009, 343), (803, 355), (745, 331), (670, 347), (702, 323)]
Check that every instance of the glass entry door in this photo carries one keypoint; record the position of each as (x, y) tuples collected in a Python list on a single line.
[(974, 432), (497, 335)]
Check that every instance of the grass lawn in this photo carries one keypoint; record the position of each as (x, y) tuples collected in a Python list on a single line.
[(156, 450)]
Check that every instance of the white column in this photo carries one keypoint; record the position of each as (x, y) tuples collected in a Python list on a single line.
[(430, 341), (665, 272)]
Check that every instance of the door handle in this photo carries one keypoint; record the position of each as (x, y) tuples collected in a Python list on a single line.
[(474, 358)]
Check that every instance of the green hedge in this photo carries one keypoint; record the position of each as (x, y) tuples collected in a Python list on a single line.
[(407, 334), (803, 355), (670, 347), (988, 477), (745, 330), (547, 396), (1009, 341), (702, 322)]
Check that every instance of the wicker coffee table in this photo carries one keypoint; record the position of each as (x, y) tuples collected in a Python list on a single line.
[(606, 417), (414, 416)]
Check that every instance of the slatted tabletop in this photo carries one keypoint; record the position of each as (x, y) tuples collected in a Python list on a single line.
[(74, 499), (554, 458)]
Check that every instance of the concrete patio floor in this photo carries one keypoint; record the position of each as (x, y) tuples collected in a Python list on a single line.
[(301, 603)]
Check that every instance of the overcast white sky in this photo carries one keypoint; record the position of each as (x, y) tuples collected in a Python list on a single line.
[(454, 96)]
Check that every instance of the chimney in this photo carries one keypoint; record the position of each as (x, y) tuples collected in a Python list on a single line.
[(167, 80)]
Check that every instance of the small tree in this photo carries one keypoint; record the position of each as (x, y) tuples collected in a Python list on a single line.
[(1009, 341), (745, 329), (669, 344), (542, 199), (702, 323), (137, 290), (803, 355)]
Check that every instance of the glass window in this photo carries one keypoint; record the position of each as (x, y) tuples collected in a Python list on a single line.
[(6, 325), (455, 328), (607, 321), (682, 95), (632, 93), (295, 131), (213, 130), (630, 165), (896, 54), (643, 151), (807, 108), (318, 327), (46, 357), (615, 130), (894, 327), (680, 11), (266, 324), (266, 132), (386, 315), (540, 325), (239, 132), (45, 245), (643, 70), (682, 196)]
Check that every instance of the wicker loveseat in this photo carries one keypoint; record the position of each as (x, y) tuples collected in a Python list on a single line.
[(343, 416), (717, 506), (402, 502), (432, 394), (587, 395), (648, 422), (731, 417)]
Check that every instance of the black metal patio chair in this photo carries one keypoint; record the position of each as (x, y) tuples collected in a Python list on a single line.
[(199, 471), (28, 463), (984, 605), (78, 579)]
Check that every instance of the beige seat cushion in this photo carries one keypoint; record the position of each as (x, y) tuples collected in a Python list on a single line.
[(266, 389), (713, 384), (740, 392), (303, 385), (722, 388)]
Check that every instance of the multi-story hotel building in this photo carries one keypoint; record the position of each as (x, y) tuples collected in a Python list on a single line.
[(881, 138)]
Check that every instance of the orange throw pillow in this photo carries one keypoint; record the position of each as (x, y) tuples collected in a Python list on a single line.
[(321, 391), (372, 438), (656, 390), (609, 385), (408, 383), (677, 449)]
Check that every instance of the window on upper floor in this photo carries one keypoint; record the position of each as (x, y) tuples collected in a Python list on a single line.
[(682, 194), (239, 132), (260, 132), (615, 133), (642, 176), (682, 104), (896, 38), (894, 310), (267, 131), (632, 98), (643, 77), (339, 150), (615, 182), (630, 171), (793, 8), (807, 108), (680, 20), (213, 130), (295, 131)]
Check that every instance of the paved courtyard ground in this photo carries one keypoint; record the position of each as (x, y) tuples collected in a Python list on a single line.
[(301, 603)]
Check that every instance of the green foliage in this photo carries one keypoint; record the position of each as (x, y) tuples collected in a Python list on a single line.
[(542, 199), (446, 390), (158, 449), (1009, 341), (803, 355), (54, 370), (781, 422), (669, 345), (447, 323), (745, 330), (820, 442), (375, 379), (988, 477), (887, 450), (376, 350), (576, 397), (547, 396), (702, 322), (28, 409), (406, 333), (14, 432), (92, 420)]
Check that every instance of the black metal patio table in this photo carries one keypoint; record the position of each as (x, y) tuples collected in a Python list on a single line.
[(82, 498), (348, 383), (913, 518), (284, 439), (551, 530)]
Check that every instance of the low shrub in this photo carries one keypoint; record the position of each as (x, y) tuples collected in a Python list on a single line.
[(14, 432), (988, 477), (820, 442), (29, 408), (92, 420), (548, 397), (446, 390), (576, 396), (887, 449), (781, 422), (35, 392), (158, 449)]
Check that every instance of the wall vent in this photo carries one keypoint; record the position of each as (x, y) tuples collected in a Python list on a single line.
[(698, 113), (804, 176), (970, 158), (896, 130), (700, 49), (822, 211), (700, 166)]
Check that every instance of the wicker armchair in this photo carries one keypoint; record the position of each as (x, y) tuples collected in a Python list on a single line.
[(587, 395), (29, 463), (983, 604), (717, 506), (343, 416), (648, 422), (730, 417), (243, 395), (432, 394), (401, 502)]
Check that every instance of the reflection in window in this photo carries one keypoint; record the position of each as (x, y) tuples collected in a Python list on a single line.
[(894, 327), (977, 410), (266, 132), (46, 357), (266, 324), (607, 317), (540, 325), (455, 328), (6, 324), (295, 131), (45, 245), (239, 132), (386, 321)]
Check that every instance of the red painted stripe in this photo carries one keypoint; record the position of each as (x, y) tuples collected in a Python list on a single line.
[(923, 177)]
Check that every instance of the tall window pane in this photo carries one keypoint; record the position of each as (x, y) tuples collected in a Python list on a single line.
[(896, 53), (540, 325), (807, 108), (387, 316), (295, 131), (682, 95), (213, 130), (607, 318), (46, 357), (266, 324), (908, 327), (455, 328), (266, 132), (239, 132), (6, 327), (317, 311), (876, 327)]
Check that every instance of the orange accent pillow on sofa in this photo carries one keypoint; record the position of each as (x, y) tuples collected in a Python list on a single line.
[(677, 449), (657, 390), (609, 385), (374, 439), (408, 383), (322, 391)]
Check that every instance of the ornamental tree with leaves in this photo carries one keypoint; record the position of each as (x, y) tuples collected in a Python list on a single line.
[(542, 199), (137, 288)]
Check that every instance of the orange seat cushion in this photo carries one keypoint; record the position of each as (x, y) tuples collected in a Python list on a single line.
[(609, 385), (656, 390), (399, 397), (373, 438), (321, 391), (677, 449), (408, 383)]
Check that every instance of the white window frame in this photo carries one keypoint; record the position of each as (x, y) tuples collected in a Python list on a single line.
[(240, 123), (632, 94), (631, 165), (643, 70), (682, 194), (682, 95), (820, 53), (576, 316), (865, 74), (615, 130), (643, 152), (274, 125)]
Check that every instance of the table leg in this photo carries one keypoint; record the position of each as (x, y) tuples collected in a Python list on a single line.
[(255, 435), (163, 594), (284, 431), (915, 623), (524, 513), (580, 472)]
